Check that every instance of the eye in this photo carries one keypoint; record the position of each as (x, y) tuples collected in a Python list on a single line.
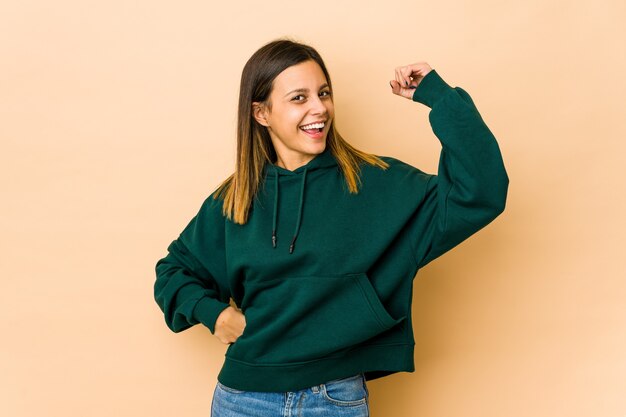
[(327, 93)]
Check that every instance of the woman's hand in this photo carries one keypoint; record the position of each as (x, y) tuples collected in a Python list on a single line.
[(229, 325), (408, 78)]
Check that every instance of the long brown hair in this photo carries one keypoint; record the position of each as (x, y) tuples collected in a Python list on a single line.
[(254, 145)]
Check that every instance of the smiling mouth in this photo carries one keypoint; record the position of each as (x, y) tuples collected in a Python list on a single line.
[(315, 130), (324, 123)]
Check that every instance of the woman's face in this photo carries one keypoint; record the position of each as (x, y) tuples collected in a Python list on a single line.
[(300, 96)]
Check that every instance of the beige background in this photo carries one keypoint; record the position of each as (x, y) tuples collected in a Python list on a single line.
[(118, 118)]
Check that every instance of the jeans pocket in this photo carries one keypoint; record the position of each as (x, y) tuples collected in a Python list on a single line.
[(229, 389), (347, 392)]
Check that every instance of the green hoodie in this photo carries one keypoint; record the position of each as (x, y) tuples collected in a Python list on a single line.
[(324, 277)]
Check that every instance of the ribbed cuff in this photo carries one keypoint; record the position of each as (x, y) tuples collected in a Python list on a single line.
[(207, 310), (430, 89)]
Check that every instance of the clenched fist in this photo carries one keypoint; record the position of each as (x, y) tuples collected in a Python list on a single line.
[(408, 78), (229, 325)]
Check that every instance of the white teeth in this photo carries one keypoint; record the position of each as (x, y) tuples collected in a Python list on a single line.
[(313, 126)]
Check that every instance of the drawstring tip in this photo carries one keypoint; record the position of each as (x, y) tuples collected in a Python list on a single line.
[(274, 239), (293, 242), (291, 248)]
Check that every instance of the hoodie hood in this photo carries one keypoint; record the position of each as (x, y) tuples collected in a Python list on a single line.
[(272, 171)]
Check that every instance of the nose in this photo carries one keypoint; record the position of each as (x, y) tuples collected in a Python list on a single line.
[(318, 106)]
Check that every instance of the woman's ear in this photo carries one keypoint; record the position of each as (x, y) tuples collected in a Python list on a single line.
[(259, 113)]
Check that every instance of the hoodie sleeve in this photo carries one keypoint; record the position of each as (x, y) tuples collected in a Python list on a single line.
[(470, 188), (190, 286)]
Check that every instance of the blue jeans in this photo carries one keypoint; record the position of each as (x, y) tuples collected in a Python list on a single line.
[(346, 397)]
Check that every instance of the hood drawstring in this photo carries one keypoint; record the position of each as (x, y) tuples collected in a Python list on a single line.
[(275, 215), (324, 161)]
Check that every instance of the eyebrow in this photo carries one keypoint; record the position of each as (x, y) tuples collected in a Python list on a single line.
[(304, 90)]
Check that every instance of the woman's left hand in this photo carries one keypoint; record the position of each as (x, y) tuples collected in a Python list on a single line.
[(408, 77)]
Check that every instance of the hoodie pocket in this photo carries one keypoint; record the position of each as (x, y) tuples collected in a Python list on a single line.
[(298, 319)]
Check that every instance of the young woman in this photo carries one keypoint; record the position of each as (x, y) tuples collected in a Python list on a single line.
[(318, 243)]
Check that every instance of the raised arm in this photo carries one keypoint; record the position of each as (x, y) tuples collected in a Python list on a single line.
[(470, 188)]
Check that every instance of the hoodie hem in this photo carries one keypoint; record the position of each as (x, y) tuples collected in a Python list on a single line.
[(247, 376)]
